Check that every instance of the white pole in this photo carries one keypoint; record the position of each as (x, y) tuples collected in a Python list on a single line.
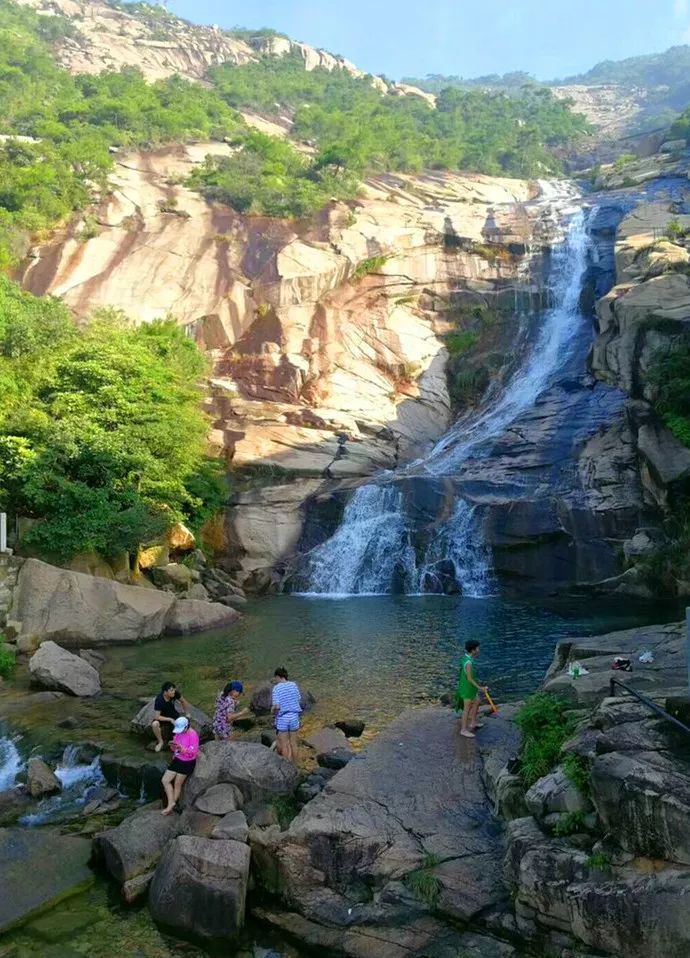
[(3, 532)]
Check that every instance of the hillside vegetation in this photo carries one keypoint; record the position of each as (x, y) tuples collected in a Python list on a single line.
[(354, 129)]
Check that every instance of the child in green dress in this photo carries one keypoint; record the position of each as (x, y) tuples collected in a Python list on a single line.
[(468, 690)]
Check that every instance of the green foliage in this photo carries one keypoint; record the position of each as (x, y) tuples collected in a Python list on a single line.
[(8, 660), (545, 725), (623, 160), (599, 861), (76, 120), (465, 386), (570, 824), (670, 376), (423, 883), (286, 808), (101, 435), (674, 230), (510, 82), (577, 769), (367, 266), (459, 343)]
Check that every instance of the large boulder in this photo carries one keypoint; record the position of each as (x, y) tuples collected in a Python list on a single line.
[(200, 887), (327, 740), (194, 615), (55, 668), (259, 774), (220, 799), (141, 723), (76, 609), (136, 844), (40, 779)]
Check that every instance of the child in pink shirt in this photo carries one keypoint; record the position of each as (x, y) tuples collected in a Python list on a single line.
[(185, 748)]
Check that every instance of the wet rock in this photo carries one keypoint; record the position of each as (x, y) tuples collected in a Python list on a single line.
[(13, 802), (69, 722), (56, 668), (40, 779), (220, 799), (352, 728), (136, 844), (336, 759), (232, 826), (200, 887), (57, 866), (134, 776), (136, 888)]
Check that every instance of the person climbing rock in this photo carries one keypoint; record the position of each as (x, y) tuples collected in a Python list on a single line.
[(287, 709), (226, 713), (165, 711), (468, 690), (185, 748)]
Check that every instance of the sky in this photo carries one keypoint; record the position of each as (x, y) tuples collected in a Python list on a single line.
[(547, 38)]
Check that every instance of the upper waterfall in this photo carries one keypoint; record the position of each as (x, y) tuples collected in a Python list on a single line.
[(376, 548)]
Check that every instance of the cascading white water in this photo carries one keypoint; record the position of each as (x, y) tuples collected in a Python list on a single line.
[(77, 780), (361, 558), (11, 763), (550, 354), (459, 542), (372, 546)]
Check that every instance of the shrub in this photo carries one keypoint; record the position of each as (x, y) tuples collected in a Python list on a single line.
[(367, 266), (422, 882), (674, 230), (460, 343), (570, 824), (623, 160), (545, 725)]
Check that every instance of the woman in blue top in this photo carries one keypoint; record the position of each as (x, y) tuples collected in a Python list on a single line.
[(287, 708)]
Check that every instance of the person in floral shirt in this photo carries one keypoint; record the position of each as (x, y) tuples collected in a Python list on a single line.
[(226, 713)]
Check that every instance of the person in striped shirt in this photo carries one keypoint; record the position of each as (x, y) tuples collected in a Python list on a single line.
[(286, 708)]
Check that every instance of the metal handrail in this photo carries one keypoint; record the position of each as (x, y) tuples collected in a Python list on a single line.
[(648, 702)]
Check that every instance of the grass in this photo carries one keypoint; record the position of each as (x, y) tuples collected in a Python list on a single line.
[(545, 725), (577, 769), (422, 882), (599, 861), (8, 660), (286, 808), (367, 266), (460, 343)]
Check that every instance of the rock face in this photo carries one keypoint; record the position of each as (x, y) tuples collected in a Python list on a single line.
[(413, 808), (200, 887), (57, 866), (76, 609), (258, 774), (55, 668), (141, 723)]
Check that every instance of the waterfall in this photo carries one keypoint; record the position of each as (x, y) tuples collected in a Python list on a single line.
[(11, 763), (372, 551), (368, 547)]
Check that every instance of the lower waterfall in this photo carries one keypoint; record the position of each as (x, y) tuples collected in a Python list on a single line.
[(372, 551)]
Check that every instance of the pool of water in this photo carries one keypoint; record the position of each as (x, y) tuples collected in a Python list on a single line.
[(365, 657)]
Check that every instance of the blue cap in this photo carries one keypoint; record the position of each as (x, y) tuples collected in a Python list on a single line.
[(236, 686)]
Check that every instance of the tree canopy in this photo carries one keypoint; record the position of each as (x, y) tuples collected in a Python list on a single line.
[(101, 433)]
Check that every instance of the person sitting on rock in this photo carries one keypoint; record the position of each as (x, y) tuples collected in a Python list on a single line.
[(226, 713), (185, 748), (165, 710), (286, 706), (468, 690)]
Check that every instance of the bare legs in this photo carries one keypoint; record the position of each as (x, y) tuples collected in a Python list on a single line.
[(294, 746), (284, 745), (469, 717), (172, 783), (156, 726)]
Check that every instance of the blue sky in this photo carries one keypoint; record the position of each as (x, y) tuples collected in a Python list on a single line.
[(548, 38)]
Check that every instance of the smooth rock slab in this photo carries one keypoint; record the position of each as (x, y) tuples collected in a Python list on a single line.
[(193, 615), (200, 887), (417, 792), (38, 868), (55, 668), (327, 739)]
